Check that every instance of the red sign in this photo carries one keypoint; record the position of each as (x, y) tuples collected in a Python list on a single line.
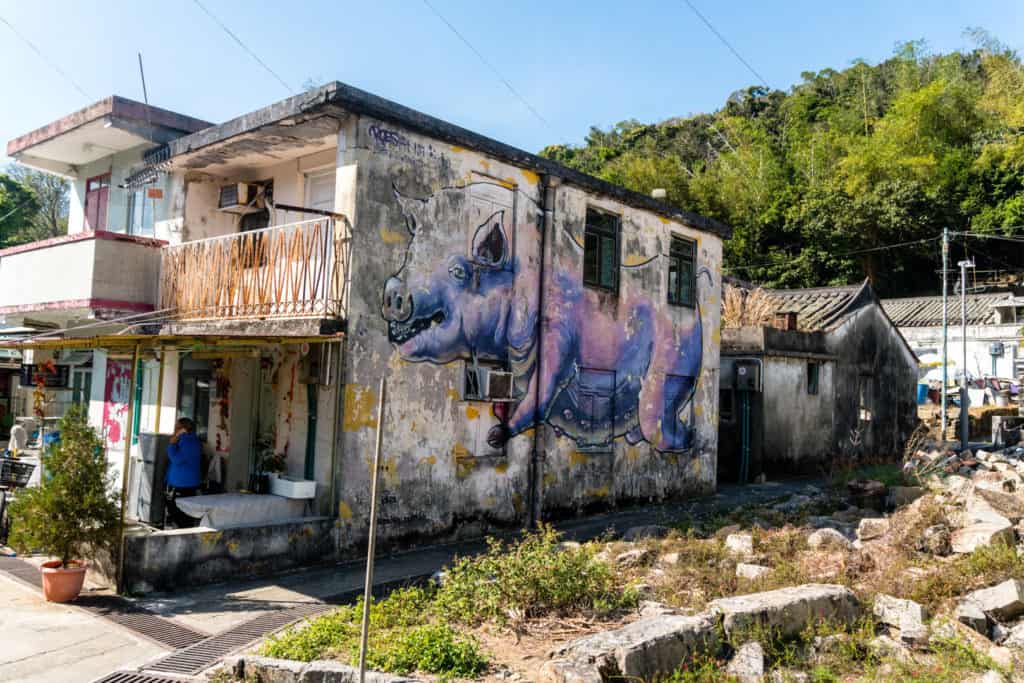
[(155, 192)]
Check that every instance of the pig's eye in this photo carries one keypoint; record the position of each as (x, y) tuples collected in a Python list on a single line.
[(458, 272)]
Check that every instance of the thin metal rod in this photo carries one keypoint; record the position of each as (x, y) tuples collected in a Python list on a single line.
[(160, 391), (372, 543), (945, 325), (142, 75), (125, 465), (965, 416)]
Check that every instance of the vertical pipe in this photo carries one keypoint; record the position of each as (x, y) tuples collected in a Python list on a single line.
[(160, 390), (945, 325), (372, 542), (965, 416), (125, 467)]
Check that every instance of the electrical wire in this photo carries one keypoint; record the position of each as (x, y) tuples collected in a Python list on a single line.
[(725, 42), (242, 45), (884, 247), (46, 59), (488, 64)]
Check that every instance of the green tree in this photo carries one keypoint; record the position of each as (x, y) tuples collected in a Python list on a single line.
[(18, 207), (51, 191)]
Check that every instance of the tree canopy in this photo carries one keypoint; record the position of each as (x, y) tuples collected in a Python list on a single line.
[(820, 180), (33, 206)]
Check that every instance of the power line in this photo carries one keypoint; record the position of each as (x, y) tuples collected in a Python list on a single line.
[(725, 42), (884, 247), (46, 59), (490, 66), (243, 46), (1004, 238)]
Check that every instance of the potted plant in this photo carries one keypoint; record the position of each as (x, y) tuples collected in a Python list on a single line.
[(74, 510)]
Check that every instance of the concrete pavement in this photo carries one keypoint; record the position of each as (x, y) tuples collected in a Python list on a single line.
[(42, 642)]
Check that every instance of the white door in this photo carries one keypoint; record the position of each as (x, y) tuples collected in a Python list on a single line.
[(320, 190)]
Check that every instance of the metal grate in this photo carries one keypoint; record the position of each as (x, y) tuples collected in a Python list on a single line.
[(135, 677), (141, 621), (205, 654)]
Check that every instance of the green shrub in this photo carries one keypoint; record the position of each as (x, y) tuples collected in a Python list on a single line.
[(701, 669), (74, 508)]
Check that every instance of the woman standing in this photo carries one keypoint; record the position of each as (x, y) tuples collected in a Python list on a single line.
[(184, 455)]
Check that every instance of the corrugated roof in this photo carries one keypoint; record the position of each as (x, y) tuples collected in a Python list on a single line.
[(926, 311), (821, 308)]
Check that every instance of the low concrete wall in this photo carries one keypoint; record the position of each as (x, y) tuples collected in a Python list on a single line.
[(188, 557)]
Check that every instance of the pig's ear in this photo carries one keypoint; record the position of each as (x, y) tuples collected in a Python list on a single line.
[(411, 208), (490, 246)]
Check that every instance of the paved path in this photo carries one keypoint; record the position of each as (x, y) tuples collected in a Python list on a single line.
[(42, 642)]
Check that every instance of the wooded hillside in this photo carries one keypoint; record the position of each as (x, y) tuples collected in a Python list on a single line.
[(865, 157)]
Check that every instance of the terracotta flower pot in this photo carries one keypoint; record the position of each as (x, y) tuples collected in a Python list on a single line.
[(62, 584)]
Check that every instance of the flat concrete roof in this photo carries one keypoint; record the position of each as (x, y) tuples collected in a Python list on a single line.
[(336, 98)]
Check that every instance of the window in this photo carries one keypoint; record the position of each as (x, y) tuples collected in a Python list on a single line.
[(140, 212), (474, 376), (601, 251), (81, 386), (681, 279), (595, 396), (97, 192), (726, 406), (813, 374)]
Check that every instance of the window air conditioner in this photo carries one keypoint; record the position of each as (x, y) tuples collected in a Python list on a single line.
[(497, 385), (240, 198)]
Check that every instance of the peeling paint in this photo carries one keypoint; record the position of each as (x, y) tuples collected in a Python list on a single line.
[(576, 458), (344, 511), (359, 407)]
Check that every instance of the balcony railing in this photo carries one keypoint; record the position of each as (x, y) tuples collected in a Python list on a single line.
[(296, 270)]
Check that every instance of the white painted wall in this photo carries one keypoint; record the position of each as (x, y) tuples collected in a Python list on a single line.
[(979, 339)]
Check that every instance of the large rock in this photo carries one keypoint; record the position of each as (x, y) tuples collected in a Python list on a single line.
[(787, 610), (948, 630), (747, 665), (740, 544), (979, 535), (634, 558), (1007, 505), (637, 533), (971, 615), (871, 528), (646, 649), (827, 538), (1015, 637), (1004, 601), (751, 571), (1000, 482), (906, 615), (253, 668), (978, 510)]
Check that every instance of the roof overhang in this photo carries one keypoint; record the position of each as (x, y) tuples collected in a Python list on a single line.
[(107, 127)]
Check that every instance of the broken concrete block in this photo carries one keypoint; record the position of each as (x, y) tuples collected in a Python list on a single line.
[(751, 571), (949, 630), (977, 510), (896, 612), (740, 544), (872, 527), (650, 608), (883, 646), (1000, 482), (1004, 601), (645, 649), (826, 538), (979, 535), (787, 610), (633, 558), (1014, 637), (747, 664), (1008, 505), (637, 533), (970, 614), (669, 559)]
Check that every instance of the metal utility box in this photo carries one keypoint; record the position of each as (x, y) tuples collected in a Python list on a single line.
[(747, 375), (146, 502)]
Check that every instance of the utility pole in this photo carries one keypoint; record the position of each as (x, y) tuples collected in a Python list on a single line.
[(945, 325), (965, 419)]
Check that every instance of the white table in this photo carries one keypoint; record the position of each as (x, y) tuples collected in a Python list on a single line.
[(235, 509)]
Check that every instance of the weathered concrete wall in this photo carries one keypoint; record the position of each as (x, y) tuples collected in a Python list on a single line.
[(979, 338), (796, 426), (875, 409), (167, 561), (447, 264)]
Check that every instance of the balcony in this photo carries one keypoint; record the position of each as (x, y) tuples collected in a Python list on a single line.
[(86, 274), (298, 270)]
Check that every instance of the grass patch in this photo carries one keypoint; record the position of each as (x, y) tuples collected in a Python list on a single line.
[(418, 628), (701, 669), (986, 566), (890, 474)]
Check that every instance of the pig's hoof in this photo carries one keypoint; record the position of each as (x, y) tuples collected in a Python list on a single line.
[(498, 436)]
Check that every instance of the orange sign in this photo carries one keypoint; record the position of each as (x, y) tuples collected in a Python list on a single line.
[(155, 193)]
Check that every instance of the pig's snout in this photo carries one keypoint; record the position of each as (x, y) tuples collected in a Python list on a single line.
[(397, 303)]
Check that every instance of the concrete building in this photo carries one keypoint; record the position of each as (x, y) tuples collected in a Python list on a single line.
[(549, 340), (994, 322), (830, 378)]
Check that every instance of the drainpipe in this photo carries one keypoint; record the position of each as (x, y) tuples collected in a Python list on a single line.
[(548, 191)]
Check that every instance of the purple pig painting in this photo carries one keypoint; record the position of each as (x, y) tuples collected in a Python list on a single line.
[(595, 373)]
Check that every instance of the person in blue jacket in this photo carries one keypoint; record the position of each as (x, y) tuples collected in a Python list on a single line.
[(184, 455)]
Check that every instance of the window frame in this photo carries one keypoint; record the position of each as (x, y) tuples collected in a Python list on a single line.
[(674, 295), (140, 195), (813, 378), (593, 228)]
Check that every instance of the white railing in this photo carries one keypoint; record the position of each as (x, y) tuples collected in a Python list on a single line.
[(296, 270)]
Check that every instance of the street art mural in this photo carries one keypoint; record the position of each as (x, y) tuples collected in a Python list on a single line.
[(115, 401), (597, 373)]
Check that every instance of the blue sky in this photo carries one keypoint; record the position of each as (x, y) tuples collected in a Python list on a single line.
[(578, 63)]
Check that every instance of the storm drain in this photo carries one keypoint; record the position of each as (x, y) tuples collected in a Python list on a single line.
[(208, 652), (21, 570), (135, 677), (118, 610)]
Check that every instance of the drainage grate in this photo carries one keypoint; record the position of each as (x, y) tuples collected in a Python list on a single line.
[(135, 677), (22, 570), (140, 621), (205, 654)]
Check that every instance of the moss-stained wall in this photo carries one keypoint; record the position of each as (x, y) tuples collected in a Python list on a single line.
[(619, 392)]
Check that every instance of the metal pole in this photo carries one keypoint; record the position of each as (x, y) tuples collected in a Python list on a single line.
[(965, 417), (371, 545), (160, 390), (945, 325), (125, 465)]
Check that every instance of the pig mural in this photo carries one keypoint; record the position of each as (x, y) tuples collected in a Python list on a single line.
[(463, 294)]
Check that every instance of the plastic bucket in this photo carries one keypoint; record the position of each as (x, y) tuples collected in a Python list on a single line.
[(922, 394)]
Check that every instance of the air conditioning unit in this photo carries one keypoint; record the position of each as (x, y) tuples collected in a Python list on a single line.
[(240, 198), (497, 385)]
